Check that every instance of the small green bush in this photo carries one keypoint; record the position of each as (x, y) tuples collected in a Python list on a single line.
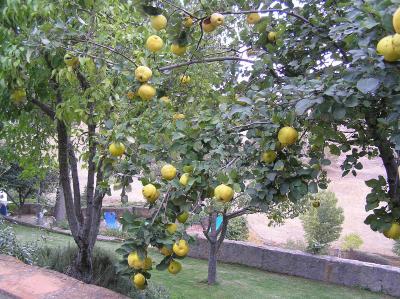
[(322, 225), (12, 208), (396, 247), (104, 271), (196, 218), (237, 229), (9, 245), (63, 224), (296, 245), (115, 233), (351, 242)]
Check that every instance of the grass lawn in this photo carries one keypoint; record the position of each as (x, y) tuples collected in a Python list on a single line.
[(234, 281)]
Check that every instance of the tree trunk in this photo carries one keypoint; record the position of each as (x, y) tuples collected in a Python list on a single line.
[(215, 238), (82, 268), (124, 198), (212, 255), (40, 212), (212, 263), (59, 209)]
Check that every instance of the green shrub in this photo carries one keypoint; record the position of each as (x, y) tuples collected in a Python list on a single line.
[(237, 229), (63, 224), (9, 245), (351, 242), (296, 245), (114, 233), (104, 271), (322, 225), (196, 218), (396, 247), (12, 208)]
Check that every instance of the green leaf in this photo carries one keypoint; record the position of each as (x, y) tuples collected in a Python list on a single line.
[(303, 105), (339, 113), (368, 85), (244, 100), (163, 265), (151, 10), (182, 39), (313, 187), (129, 217), (279, 165)]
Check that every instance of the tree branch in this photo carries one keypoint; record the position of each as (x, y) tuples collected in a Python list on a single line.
[(75, 181), (106, 47), (82, 80), (181, 9), (90, 188), (224, 229), (237, 213), (293, 14), (98, 202), (249, 125), (5, 171), (280, 11), (207, 60), (64, 177), (201, 36), (165, 200), (45, 108), (230, 163), (206, 227)]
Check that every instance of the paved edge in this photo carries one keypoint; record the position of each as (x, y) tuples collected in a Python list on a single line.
[(22, 281)]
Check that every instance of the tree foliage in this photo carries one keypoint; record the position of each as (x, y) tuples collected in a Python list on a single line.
[(323, 225), (15, 185), (321, 75)]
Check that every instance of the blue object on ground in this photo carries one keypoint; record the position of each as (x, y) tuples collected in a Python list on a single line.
[(218, 222), (111, 220), (3, 210)]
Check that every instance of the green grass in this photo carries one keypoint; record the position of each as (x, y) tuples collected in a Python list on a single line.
[(234, 281)]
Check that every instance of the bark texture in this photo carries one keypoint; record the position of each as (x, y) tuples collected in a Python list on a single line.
[(215, 238), (387, 155)]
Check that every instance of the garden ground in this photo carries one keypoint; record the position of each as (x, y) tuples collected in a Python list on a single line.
[(234, 281)]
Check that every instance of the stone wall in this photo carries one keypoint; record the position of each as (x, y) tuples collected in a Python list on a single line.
[(374, 277)]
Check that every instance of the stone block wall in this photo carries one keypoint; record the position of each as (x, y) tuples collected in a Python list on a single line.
[(352, 273)]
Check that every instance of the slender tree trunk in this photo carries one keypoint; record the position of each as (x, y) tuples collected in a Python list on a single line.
[(59, 209), (212, 263), (215, 238), (124, 198), (212, 254), (40, 213)]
